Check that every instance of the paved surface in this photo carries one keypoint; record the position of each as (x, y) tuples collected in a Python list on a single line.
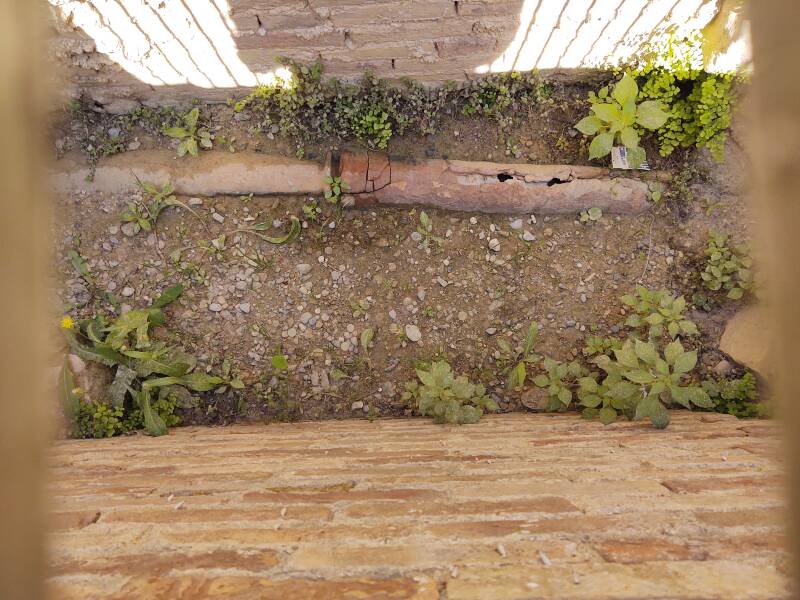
[(518, 506)]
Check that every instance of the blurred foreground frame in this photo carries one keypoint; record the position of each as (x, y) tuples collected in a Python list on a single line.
[(776, 162), (24, 224), (23, 229)]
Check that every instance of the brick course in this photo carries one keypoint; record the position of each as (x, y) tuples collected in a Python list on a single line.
[(517, 506), (430, 40)]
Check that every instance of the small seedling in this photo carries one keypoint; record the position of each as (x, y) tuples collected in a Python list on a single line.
[(591, 215), (335, 188), (191, 137)]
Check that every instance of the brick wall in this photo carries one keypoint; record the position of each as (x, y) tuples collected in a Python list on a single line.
[(126, 50), (515, 507)]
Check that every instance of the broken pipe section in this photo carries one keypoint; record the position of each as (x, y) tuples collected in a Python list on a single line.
[(374, 179), (488, 187)]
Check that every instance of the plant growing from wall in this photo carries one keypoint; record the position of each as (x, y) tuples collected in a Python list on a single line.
[(699, 103), (143, 367), (308, 109), (618, 117), (728, 269), (191, 136), (374, 128), (438, 393)]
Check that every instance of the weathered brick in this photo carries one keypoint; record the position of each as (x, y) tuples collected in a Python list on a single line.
[(368, 510), (164, 562), (353, 495), (646, 550), (73, 519), (742, 518), (260, 588), (707, 484), (546, 504), (210, 515)]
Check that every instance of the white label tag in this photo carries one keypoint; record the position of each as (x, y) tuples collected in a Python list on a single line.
[(619, 159)]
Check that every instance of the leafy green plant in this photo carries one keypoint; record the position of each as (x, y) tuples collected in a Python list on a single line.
[(727, 269), (699, 103), (374, 128), (737, 397), (659, 379), (600, 345), (305, 107), (591, 215), (190, 135), (659, 312), (144, 214), (425, 229), (289, 236), (619, 118), (517, 359), (502, 93), (559, 379), (333, 193), (98, 420), (142, 365), (447, 398), (606, 399)]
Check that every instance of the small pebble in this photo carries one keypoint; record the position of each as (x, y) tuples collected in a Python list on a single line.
[(413, 333)]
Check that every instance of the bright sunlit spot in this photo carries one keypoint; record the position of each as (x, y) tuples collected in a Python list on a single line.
[(587, 33), (168, 43)]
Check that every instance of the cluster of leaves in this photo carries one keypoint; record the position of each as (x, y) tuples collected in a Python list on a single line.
[(334, 188), (601, 345), (447, 398), (699, 103), (727, 269), (425, 229), (518, 359), (374, 128), (591, 215), (641, 380), (192, 137), (101, 420), (658, 312), (495, 96), (144, 214), (737, 397), (559, 379), (620, 117), (308, 108), (143, 366)]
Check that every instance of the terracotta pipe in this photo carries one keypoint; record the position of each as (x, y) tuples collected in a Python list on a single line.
[(375, 178)]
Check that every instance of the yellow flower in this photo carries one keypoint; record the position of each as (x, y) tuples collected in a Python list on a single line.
[(67, 323)]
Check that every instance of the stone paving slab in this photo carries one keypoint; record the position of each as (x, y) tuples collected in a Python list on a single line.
[(516, 507)]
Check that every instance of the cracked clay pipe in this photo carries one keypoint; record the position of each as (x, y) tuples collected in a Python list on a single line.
[(377, 179)]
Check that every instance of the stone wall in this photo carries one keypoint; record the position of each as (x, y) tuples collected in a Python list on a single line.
[(145, 50)]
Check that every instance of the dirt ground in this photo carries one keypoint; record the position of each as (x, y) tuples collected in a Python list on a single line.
[(312, 298)]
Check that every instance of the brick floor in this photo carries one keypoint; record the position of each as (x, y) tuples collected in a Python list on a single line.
[(518, 506)]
